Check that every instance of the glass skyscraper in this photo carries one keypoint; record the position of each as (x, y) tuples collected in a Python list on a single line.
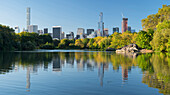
[(101, 25)]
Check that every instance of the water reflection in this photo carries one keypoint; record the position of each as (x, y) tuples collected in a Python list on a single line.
[(28, 78), (155, 67)]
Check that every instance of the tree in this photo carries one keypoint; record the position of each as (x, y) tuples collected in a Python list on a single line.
[(45, 38), (28, 46), (79, 43), (56, 42), (7, 38), (152, 20), (29, 39), (104, 43), (47, 46), (90, 44), (85, 42), (64, 43), (120, 40), (144, 38), (161, 37)]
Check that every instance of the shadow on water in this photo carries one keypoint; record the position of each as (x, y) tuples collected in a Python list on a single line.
[(155, 67)]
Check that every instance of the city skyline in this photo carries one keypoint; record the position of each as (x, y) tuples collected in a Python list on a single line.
[(46, 17)]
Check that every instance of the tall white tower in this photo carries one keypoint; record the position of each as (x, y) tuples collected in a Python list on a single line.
[(28, 17), (101, 24)]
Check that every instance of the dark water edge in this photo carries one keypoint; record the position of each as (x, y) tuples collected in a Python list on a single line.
[(83, 72)]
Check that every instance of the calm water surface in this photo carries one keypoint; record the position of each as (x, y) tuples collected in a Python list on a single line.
[(67, 72)]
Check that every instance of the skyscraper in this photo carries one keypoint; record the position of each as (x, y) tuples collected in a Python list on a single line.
[(99, 33), (62, 35), (28, 17), (45, 30), (70, 36), (92, 35), (124, 24), (80, 31), (33, 28), (116, 29), (57, 32), (89, 31), (40, 32), (106, 32), (129, 28), (101, 24)]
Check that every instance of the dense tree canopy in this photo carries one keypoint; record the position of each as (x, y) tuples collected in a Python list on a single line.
[(153, 20), (144, 38), (120, 40), (161, 37), (7, 38)]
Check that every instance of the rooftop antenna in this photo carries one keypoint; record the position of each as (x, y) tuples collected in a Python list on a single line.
[(122, 15)]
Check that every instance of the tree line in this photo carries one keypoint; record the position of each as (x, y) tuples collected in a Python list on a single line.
[(155, 35)]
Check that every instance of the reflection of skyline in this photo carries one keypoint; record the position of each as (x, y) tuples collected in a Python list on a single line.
[(82, 62), (28, 78), (69, 59), (102, 67), (56, 64), (124, 74), (101, 73)]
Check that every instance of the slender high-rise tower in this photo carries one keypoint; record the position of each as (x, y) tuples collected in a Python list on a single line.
[(28, 17), (101, 24)]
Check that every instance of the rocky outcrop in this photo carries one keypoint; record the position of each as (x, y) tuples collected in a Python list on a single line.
[(132, 48)]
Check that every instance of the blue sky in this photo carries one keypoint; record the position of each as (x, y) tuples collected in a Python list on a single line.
[(73, 14)]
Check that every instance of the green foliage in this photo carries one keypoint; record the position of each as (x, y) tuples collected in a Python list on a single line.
[(64, 43), (85, 42), (153, 20), (161, 37), (27, 38), (8, 39), (28, 46), (128, 31), (45, 38), (120, 40), (73, 46), (56, 42), (168, 46), (90, 44), (104, 43), (47, 46), (144, 63), (144, 38), (79, 43)]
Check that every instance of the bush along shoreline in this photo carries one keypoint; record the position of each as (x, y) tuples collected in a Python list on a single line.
[(155, 36)]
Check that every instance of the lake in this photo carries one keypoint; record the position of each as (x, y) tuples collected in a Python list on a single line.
[(80, 72)]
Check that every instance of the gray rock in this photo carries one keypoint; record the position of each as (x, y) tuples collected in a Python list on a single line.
[(132, 48)]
